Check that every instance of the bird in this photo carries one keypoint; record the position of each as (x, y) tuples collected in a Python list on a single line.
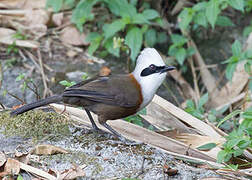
[(114, 96)]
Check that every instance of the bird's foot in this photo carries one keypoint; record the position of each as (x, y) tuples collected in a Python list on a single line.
[(129, 142)]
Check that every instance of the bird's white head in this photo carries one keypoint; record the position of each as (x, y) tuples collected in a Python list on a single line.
[(150, 72)]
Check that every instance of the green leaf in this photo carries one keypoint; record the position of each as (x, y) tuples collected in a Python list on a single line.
[(237, 4), (92, 36), (121, 8), (190, 51), (150, 14), (212, 11), (178, 40), (207, 147), (203, 100), (247, 67), (180, 55), (20, 177), (133, 2), (150, 37), (247, 30), (139, 19), (162, 37), (55, 4), (224, 21), (109, 45), (20, 77), (114, 27), (200, 6), (236, 48), (221, 156), (83, 13), (94, 39), (200, 18), (230, 70), (234, 113), (134, 39), (185, 18)]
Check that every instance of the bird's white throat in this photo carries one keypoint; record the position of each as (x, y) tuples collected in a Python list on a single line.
[(149, 84)]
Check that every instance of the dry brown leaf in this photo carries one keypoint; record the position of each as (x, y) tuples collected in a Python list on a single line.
[(47, 149), (71, 35), (31, 4), (72, 173), (57, 19), (161, 118), (234, 87), (6, 37), (104, 71), (196, 140), (2, 159), (71, 53), (12, 4), (12, 166), (199, 125)]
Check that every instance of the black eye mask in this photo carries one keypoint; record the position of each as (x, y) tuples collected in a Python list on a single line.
[(152, 69)]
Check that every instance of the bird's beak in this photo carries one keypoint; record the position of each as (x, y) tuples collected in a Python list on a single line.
[(167, 68)]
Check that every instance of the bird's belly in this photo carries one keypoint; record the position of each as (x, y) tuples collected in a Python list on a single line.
[(109, 112)]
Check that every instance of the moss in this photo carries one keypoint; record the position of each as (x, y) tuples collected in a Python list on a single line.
[(35, 124)]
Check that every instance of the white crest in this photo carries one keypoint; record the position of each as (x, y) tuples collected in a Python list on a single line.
[(150, 83)]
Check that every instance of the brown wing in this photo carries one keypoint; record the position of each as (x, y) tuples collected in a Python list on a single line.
[(112, 90)]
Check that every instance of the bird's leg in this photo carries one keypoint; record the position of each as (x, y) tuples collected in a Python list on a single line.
[(112, 130), (95, 127), (123, 139)]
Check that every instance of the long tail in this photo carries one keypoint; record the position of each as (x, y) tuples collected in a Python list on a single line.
[(42, 102)]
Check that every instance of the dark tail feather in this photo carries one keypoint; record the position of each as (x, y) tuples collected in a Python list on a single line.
[(42, 102)]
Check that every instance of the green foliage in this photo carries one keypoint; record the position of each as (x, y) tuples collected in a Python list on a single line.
[(239, 139), (26, 81), (238, 56), (197, 110), (12, 48), (177, 48), (247, 30), (209, 12), (207, 147), (126, 22), (136, 119), (20, 177), (67, 83)]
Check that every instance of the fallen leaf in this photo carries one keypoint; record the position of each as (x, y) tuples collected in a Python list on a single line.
[(47, 149), (57, 19), (104, 71), (71, 53), (13, 4), (2, 159), (71, 35), (12, 166), (31, 4)]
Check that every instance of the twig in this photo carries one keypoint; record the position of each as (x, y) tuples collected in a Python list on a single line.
[(46, 89), (1, 75), (171, 93), (195, 82), (13, 95), (142, 168)]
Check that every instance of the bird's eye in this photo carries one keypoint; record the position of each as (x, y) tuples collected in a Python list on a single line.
[(152, 67)]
